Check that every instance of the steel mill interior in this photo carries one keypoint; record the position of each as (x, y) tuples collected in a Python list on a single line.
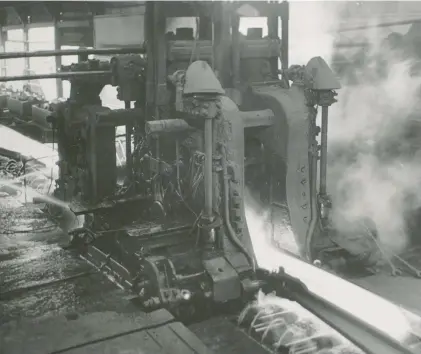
[(210, 177)]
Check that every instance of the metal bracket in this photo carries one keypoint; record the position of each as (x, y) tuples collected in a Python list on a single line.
[(226, 283)]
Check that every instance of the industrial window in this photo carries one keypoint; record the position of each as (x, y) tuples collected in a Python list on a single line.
[(44, 34), (42, 38), (15, 35), (14, 67)]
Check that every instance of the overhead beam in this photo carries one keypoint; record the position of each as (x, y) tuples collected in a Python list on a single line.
[(378, 25)]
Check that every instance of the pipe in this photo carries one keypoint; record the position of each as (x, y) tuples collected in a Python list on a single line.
[(129, 159), (207, 213), (81, 51), (323, 151), (177, 166), (313, 203), (59, 75), (156, 127), (231, 233)]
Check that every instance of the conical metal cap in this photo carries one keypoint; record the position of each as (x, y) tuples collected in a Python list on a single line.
[(322, 76), (200, 78)]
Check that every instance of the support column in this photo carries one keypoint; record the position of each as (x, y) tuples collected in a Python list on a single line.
[(2, 50), (26, 49), (57, 46)]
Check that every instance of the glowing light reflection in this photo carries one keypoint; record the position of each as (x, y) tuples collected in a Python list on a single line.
[(369, 307)]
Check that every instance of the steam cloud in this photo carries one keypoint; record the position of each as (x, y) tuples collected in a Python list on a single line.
[(312, 30), (374, 172)]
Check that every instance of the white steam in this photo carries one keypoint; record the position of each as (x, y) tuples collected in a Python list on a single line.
[(374, 173), (371, 174), (312, 28), (328, 286)]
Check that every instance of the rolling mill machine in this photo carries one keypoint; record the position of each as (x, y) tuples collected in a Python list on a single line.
[(208, 114)]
